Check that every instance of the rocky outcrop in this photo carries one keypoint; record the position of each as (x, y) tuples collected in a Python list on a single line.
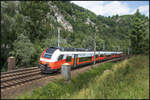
[(60, 19), (88, 21)]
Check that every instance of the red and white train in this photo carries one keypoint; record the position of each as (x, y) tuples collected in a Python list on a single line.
[(52, 58)]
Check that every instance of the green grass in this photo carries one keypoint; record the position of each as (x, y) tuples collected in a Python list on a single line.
[(128, 79), (59, 88)]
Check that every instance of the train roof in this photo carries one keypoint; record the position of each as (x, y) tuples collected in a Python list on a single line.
[(78, 51), (70, 49), (82, 49)]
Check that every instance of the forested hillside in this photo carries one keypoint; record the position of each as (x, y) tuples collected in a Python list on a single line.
[(28, 27)]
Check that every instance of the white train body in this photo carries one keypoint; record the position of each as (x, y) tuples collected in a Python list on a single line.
[(52, 58)]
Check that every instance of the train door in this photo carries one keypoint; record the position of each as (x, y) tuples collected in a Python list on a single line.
[(75, 60)]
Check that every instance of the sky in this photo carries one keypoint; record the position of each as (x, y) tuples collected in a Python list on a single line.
[(110, 8)]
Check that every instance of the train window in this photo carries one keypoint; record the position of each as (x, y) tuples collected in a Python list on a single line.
[(85, 59), (50, 50), (102, 55), (108, 55), (60, 57), (47, 55), (68, 59), (96, 56)]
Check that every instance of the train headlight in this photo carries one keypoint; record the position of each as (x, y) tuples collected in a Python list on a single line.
[(40, 62)]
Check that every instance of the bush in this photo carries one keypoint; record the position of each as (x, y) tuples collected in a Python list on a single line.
[(23, 50)]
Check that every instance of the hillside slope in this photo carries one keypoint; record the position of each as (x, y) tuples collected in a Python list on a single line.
[(34, 25), (127, 80)]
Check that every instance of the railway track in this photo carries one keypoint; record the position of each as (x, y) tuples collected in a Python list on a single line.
[(21, 76), (18, 70)]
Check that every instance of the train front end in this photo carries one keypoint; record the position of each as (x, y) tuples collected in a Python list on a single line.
[(45, 60)]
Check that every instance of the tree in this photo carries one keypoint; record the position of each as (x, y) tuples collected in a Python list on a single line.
[(138, 34), (23, 50), (36, 12), (8, 35), (48, 42), (36, 23)]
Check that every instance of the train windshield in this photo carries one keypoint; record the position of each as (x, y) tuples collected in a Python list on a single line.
[(49, 52), (47, 55)]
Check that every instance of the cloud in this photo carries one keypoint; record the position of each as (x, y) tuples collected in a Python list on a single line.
[(143, 9), (115, 7), (111, 8), (94, 6), (98, 7)]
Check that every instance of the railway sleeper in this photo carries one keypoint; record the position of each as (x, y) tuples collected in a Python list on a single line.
[(18, 70), (20, 76), (23, 81), (12, 74)]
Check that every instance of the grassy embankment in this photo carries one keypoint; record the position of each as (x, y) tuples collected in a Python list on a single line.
[(127, 79)]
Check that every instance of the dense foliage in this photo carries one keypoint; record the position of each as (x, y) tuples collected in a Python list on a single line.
[(36, 24), (138, 37)]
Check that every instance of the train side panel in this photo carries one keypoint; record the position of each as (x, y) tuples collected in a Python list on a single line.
[(56, 58)]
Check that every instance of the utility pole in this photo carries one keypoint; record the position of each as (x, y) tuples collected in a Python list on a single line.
[(93, 25), (116, 48), (128, 50), (58, 36), (119, 48), (95, 45), (103, 46)]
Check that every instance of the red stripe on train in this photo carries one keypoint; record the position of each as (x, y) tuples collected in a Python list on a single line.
[(57, 64)]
